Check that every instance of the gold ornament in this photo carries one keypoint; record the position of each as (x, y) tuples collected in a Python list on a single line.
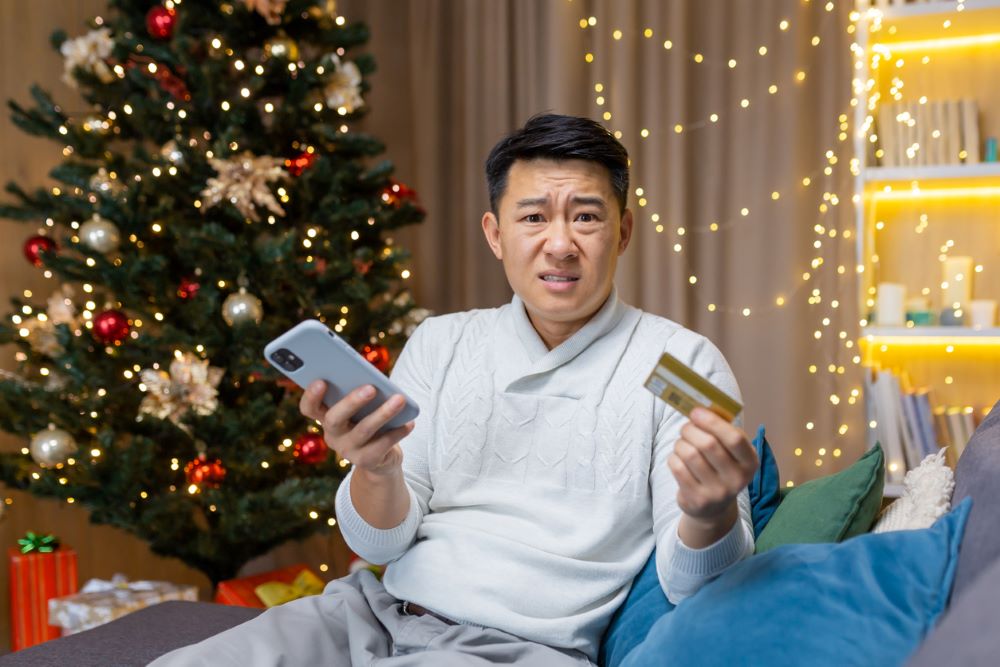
[(282, 46), (52, 446), (243, 182), (241, 308), (190, 385), (99, 234), (271, 10)]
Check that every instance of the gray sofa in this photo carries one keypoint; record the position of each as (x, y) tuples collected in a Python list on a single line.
[(968, 634)]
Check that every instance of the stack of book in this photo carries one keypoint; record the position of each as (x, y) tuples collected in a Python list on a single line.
[(936, 132), (908, 424)]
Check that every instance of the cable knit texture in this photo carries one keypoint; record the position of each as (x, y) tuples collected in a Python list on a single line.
[(538, 478), (926, 497)]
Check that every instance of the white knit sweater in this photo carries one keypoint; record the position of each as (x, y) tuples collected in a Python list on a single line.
[(538, 479)]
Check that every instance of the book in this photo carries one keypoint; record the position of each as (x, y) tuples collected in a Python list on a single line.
[(970, 130), (952, 132), (930, 437), (936, 148), (887, 134), (887, 423)]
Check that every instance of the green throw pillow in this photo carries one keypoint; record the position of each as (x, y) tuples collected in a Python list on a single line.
[(829, 509)]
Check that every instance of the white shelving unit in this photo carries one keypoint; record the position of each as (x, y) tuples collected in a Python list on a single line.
[(970, 358)]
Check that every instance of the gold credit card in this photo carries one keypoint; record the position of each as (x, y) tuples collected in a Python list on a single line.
[(684, 389)]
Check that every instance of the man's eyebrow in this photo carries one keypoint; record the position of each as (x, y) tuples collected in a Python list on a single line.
[(537, 201), (589, 201)]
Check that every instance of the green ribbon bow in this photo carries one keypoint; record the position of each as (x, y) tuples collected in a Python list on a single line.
[(41, 543)]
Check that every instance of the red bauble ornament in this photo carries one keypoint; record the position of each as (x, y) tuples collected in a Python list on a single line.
[(35, 246), (204, 473), (111, 326), (310, 449), (188, 289), (378, 355), (296, 165), (396, 193), (160, 22), (362, 266)]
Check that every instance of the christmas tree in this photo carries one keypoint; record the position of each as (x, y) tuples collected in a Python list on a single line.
[(213, 196)]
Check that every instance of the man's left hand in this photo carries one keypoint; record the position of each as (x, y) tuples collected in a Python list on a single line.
[(712, 462)]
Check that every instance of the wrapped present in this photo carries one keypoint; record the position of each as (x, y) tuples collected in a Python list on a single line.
[(101, 601), (243, 592), (273, 593), (39, 570)]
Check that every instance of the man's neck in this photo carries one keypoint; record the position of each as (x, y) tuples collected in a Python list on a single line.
[(554, 334)]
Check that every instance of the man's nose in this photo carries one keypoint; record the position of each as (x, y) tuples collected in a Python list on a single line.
[(559, 240)]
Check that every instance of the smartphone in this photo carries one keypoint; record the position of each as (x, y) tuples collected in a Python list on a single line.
[(309, 351)]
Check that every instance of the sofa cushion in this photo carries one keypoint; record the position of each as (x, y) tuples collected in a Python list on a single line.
[(765, 487), (969, 632), (137, 638), (977, 475), (829, 509), (867, 601)]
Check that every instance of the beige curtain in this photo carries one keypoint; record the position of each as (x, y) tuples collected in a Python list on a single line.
[(455, 75)]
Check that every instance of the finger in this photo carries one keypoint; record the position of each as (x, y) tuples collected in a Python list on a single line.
[(369, 426), (696, 463), (685, 479), (717, 455), (311, 403), (731, 436), (371, 454), (338, 418)]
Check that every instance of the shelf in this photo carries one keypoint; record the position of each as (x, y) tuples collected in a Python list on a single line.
[(937, 173), (935, 9), (906, 26), (930, 332)]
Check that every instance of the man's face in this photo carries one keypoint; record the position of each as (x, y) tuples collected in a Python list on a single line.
[(559, 233)]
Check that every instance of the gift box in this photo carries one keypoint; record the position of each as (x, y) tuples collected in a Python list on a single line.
[(101, 601), (35, 578), (277, 587)]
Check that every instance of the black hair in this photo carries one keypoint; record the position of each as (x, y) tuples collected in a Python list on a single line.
[(556, 137)]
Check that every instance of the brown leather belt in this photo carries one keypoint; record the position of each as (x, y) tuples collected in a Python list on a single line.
[(414, 609)]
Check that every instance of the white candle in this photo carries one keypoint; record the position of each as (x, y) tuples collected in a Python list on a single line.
[(889, 306), (956, 282), (982, 313)]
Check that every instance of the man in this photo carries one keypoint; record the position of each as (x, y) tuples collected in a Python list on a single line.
[(517, 508)]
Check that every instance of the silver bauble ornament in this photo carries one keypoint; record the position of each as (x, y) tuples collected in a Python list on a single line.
[(99, 234), (241, 308), (52, 446)]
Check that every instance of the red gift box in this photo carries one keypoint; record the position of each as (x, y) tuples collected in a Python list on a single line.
[(240, 592), (34, 578)]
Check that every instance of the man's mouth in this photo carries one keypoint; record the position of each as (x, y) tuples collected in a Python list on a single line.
[(556, 278)]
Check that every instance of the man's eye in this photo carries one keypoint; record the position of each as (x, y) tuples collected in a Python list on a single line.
[(587, 217), (534, 217)]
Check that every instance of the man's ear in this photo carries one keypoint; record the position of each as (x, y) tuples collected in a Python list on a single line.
[(491, 229), (626, 231)]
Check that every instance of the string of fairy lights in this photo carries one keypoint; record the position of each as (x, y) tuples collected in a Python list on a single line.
[(827, 202)]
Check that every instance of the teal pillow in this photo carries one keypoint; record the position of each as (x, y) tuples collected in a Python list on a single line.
[(866, 601), (829, 509), (765, 486)]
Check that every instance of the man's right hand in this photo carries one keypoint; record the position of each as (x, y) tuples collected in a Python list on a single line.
[(375, 455)]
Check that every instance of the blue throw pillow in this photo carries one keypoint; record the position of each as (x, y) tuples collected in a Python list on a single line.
[(867, 601), (643, 606), (646, 603), (765, 487)]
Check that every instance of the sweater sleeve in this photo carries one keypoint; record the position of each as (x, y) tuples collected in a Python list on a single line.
[(682, 570), (412, 374)]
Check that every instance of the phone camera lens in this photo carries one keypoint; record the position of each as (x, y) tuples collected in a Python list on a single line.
[(286, 359)]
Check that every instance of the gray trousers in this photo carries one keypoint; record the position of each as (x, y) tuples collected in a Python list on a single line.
[(356, 622)]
